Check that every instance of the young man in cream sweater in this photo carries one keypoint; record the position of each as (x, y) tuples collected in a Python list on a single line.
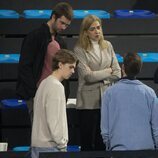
[(50, 131)]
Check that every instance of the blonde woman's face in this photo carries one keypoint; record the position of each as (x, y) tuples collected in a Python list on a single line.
[(95, 31)]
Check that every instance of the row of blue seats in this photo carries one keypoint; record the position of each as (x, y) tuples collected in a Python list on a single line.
[(13, 103), (146, 57), (70, 148), (78, 14)]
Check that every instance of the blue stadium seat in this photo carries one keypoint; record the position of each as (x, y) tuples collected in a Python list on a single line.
[(13, 103), (9, 58), (126, 13), (119, 58), (8, 14), (145, 56), (149, 56), (21, 148), (80, 14), (75, 148), (37, 14)]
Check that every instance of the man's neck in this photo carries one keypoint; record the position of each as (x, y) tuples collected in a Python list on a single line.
[(57, 75), (129, 77), (50, 24)]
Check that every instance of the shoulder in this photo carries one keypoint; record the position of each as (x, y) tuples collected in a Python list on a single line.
[(42, 31), (145, 89), (149, 90), (77, 49), (107, 46), (80, 53), (54, 81), (61, 41), (52, 85), (108, 43), (112, 89)]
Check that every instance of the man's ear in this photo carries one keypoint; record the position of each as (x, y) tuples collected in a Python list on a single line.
[(122, 67), (60, 65), (123, 70), (54, 17), (52, 20)]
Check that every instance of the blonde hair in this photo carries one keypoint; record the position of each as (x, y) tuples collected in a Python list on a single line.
[(84, 40)]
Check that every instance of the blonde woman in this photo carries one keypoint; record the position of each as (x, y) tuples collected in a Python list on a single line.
[(98, 68)]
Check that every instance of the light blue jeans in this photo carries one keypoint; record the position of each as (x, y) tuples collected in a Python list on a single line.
[(36, 150)]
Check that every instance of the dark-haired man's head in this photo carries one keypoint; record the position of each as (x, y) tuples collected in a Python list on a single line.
[(61, 17), (132, 64), (63, 9)]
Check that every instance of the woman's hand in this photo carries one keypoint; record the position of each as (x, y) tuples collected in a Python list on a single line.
[(109, 70)]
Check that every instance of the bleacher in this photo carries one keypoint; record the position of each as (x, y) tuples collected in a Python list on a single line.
[(126, 35)]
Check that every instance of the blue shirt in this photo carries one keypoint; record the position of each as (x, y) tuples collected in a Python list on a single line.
[(129, 116)]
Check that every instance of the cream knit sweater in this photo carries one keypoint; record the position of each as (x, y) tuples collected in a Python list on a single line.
[(50, 120)]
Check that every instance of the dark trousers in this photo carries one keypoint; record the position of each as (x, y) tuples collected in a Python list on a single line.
[(90, 130), (30, 108)]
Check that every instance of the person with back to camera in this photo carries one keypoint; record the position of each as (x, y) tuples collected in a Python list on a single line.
[(129, 111), (38, 48), (98, 68), (49, 130)]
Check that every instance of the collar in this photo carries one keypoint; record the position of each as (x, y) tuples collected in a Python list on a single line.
[(129, 77), (48, 32)]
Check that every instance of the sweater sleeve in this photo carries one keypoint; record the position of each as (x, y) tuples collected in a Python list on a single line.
[(56, 116)]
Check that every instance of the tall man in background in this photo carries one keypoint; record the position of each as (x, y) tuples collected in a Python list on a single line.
[(38, 49)]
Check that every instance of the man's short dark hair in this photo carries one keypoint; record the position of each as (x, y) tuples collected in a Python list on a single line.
[(63, 9), (132, 64)]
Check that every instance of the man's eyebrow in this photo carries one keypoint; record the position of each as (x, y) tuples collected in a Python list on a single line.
[(72, 66), (67, 24)]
